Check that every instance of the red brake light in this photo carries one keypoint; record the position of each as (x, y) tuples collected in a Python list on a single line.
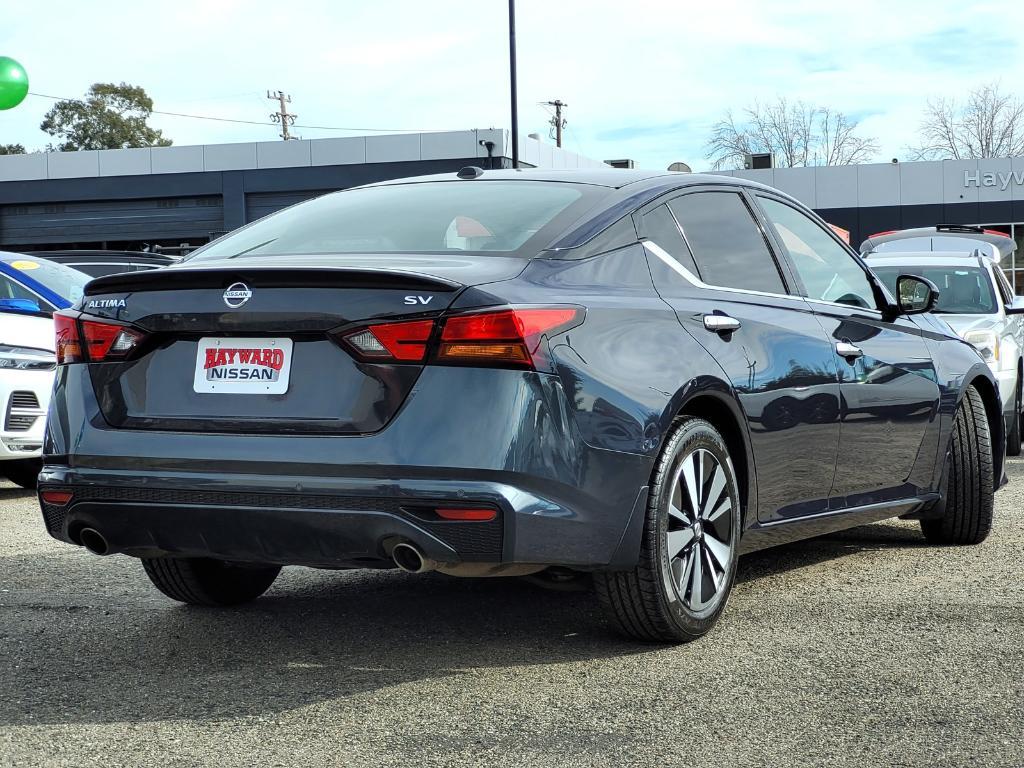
[(69, 346), (474, 515), (404, 341), (994, 232), (881, 234), (504, 336), (96, 341), (57, 498), (108, 341)]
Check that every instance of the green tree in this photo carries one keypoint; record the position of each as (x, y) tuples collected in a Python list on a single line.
[(110, 117), (12, 149)]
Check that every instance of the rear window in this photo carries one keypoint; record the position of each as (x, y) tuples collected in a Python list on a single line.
[(962, 290), (66, 282), (500, 217)]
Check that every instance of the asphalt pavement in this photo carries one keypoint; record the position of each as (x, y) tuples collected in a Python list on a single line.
[(867, 648)]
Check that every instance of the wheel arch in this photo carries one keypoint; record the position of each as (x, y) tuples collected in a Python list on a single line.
[(989, 393), (716, 402)]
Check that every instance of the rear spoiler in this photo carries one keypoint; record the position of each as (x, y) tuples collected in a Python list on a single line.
[(270, 277)]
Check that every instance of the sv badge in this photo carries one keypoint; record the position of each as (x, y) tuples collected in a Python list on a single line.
[(418, 300)]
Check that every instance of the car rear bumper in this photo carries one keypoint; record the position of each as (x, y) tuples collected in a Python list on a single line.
[(506, 442)]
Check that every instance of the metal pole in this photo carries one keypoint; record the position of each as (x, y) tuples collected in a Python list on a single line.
[(512, 79)]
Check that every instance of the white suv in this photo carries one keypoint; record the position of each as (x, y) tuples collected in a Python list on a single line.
[(975, 297)]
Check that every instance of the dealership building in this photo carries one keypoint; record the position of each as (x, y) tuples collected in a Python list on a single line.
[(168, 196)]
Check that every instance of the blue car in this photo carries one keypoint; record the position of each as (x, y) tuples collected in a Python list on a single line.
[(31, 290), (633, 375)]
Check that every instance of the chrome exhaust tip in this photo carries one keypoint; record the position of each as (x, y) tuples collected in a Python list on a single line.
[(94, 541), (409, 559)]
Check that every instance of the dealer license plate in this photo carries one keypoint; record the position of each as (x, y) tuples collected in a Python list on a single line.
[(243, 366)]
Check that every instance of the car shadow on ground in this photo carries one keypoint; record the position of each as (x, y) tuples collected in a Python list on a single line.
[(124, 654)]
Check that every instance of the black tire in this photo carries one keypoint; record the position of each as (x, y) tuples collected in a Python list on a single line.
[(23, 472), (200, 581), (969, 484), (655, 600), (1013, 441)]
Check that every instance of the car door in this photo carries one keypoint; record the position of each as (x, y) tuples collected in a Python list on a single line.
[(712, 262), (887, 378)]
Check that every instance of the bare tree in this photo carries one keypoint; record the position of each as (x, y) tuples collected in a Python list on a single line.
[(797, 134), (989, 124)]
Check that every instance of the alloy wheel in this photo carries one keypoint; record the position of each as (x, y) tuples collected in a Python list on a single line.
[(699, 536)]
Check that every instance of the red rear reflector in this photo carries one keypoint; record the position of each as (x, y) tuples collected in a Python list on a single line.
[(107, 341), (475, 515), (58, 498), (406, 341), (510, 336), (69, 346)]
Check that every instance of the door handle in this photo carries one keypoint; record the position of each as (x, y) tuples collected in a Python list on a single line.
[(721, 323), (847, 350)]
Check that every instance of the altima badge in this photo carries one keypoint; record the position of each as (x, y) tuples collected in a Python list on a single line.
[(237, 294)]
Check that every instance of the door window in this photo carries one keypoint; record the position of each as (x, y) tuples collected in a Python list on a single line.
[(12, 290), (828, 272), (726, 243), (660, 228)]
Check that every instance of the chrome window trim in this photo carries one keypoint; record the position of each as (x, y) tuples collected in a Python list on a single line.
[(661, 254)]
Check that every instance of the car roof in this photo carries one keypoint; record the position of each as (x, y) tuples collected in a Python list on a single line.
[(996, 244), (923, 259), (613, 178)]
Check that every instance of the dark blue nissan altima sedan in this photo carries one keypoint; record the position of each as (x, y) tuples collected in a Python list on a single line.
[(636, 375)]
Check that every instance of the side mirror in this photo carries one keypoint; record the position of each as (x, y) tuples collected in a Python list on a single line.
[(20, 305), (1016, 307), (915, 295)]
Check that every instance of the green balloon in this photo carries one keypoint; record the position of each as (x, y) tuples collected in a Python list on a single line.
[(13, 83)]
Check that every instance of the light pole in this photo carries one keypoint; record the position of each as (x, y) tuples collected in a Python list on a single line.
[(512, 80)]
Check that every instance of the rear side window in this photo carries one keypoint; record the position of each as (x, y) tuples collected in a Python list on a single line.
[(726, 243), (660, 228)]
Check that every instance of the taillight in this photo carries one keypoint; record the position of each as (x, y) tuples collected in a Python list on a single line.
[(69, 346), (505, 336), (405, 342), (95, 341), (498, 337)]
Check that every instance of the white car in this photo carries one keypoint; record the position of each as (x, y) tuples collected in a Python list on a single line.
[(975, 297), (30, 290)]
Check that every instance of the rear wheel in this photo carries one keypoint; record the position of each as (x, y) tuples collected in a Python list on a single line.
[(201, 581), (1013, 438), (688, 553), (23, 472), (969, 486)]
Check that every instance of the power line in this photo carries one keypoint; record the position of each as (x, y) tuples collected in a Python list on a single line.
[(259, 122)]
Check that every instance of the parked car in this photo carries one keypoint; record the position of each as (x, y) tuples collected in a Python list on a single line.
[(30, 291), (638, 375), (975, 298), (100, 263)]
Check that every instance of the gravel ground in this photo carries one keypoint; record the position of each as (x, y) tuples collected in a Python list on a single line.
[(864, 648)]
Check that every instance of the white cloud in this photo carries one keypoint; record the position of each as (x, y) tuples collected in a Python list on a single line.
[(644, 79)]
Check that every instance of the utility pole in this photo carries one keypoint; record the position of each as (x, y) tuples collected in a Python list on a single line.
[(512, 80), (557, 120), (283, 117)]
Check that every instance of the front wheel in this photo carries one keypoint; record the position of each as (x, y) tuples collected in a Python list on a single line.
[(23, 472), (968, 503), (201, 581), (688, 553)]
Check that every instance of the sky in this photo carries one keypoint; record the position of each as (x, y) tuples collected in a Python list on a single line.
[(644, 79)]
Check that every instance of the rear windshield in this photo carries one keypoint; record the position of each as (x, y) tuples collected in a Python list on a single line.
[(500, 217), (962, 290)]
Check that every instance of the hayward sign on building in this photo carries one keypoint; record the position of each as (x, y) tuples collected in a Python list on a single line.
[(875, 197), (989, 179)]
